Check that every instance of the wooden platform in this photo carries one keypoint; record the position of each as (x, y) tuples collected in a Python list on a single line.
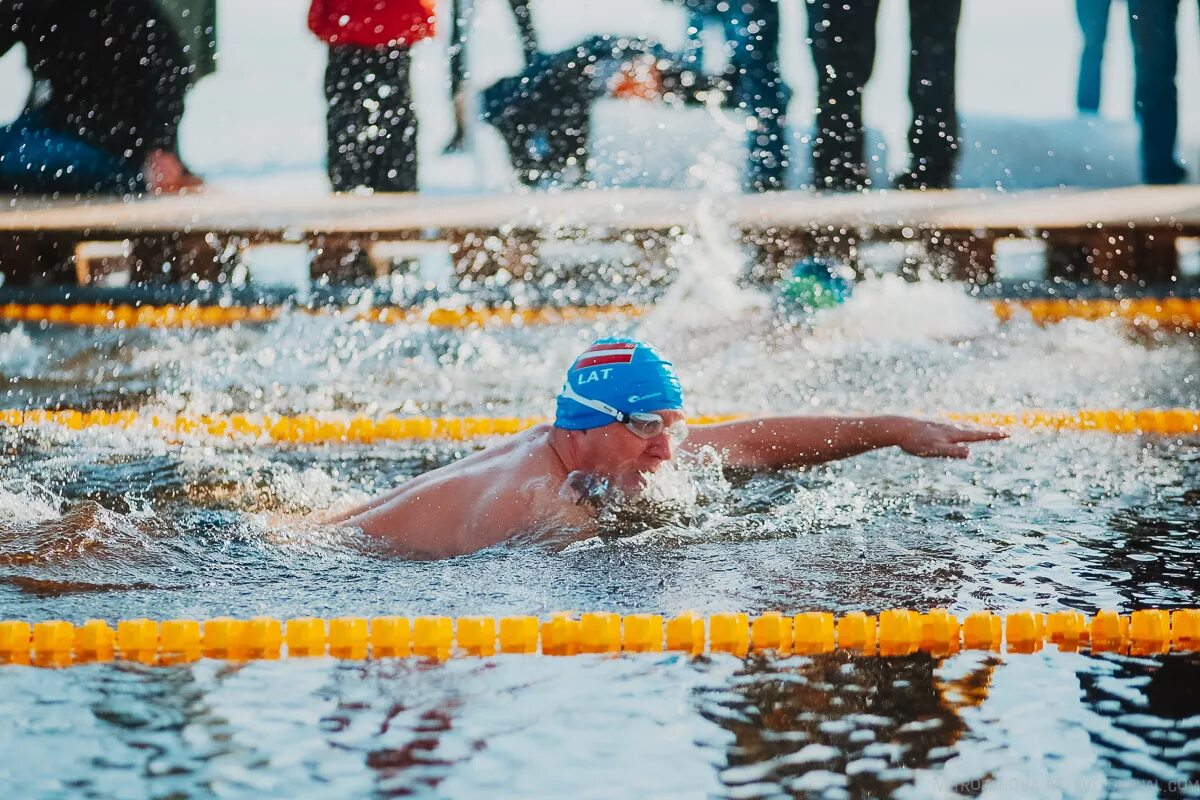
[(1111, 236)]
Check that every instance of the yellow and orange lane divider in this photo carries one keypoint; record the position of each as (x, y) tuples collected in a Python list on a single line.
[(1169, 421), (894, 632), (303, 428), (328, 429), (213, 316), (1175, 313)]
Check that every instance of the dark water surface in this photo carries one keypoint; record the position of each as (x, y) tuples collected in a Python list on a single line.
[(120, 524)]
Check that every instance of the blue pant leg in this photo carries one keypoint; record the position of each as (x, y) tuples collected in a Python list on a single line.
[(35, 159), (1155, 60), (1093, 24), (752, 36)]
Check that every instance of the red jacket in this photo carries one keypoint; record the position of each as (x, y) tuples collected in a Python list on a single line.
[(371, 23)]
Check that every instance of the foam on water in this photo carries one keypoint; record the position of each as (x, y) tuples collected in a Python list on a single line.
[(19, 355), (23, 501), (887, 308)]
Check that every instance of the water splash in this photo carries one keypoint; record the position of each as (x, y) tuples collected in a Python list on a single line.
[(24, 501), (888, 308), (19, 355), (712, 259)]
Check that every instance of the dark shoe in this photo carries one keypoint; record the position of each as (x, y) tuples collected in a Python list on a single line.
[(921, 180), (841, 180), (1166, 176)]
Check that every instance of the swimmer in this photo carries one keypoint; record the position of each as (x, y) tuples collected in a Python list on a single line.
[(619, 418)]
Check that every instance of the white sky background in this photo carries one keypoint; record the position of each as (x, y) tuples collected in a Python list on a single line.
[(262, 113)]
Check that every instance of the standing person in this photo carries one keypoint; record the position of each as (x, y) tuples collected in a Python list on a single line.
[(460, 24), (1093, 24), (109, 80), (1155, 61), (842, 35), (372, 125)]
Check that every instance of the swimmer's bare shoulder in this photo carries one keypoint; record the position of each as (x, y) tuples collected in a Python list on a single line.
[(477, 502)]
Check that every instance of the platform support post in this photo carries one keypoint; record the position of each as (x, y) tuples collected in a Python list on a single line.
[(172, 257), (1113, 255), (340, 261), (37, 259), (480, 254), (970, 257)]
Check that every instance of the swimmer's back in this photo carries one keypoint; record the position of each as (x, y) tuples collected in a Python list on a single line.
[(470, 504)]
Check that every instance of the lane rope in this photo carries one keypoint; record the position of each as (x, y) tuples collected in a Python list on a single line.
[(345, 429), (894, 632), (1176, 313), (209, 316)]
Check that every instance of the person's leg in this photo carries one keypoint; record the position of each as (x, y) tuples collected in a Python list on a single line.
[(460, 11), (526, 31), (1093, 24), (392, 146), (372, 122), (1155, 59), (457, 49), (344, 77), (35, 159), (752, 35), (933, 136), (842, 33)]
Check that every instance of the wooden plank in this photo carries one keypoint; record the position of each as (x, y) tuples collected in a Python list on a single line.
[(1110, 235), (1062, 209), (298, 218), (884, 210)]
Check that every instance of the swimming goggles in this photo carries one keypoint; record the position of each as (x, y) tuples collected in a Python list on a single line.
[(643, 424)]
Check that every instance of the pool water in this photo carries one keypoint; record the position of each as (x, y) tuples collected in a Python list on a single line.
[(114, 524)]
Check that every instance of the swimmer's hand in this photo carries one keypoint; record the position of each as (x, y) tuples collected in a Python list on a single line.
[(941, 440)]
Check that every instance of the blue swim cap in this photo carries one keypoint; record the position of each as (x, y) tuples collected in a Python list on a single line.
[(627, 374)]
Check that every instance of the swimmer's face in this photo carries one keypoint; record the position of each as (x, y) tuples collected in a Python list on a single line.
[(626, 457)]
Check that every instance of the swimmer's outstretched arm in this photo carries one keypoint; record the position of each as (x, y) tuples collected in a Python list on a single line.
[(787, 441)]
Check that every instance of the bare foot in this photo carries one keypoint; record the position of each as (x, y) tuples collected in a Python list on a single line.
[(166, 174)]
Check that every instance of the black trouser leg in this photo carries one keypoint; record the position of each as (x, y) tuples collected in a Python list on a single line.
[(1156, 99), (933, 136), (372, 125), (843, 51), (458, 46)]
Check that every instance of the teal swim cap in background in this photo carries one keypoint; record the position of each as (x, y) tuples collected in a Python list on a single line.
[(627, 374), (815, 284)]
